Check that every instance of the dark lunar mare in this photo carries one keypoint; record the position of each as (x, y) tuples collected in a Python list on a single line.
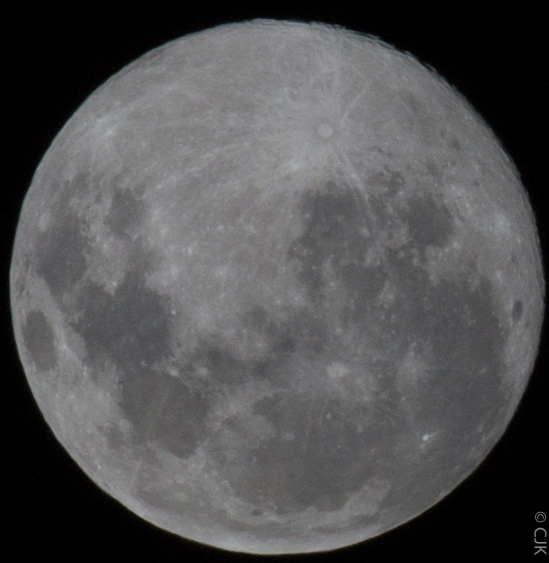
[(458, 396), (132, 328), (40, 340), (453, 321), (60, 255)]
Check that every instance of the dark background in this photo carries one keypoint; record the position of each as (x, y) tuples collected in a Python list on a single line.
[(54, 57)]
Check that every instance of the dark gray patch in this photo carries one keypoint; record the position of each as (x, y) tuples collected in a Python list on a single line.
[(428, 223), (256, 512), (303, 332), (433, 170), (334, 233), (126, 214), (165, 410), (313, 461), (434, 471), (465, 329), (257, 318), (60, 256), (131, 327), (40, 340), (365, 281), (463, 388), (461, 391), (517, 311), (455, 144)]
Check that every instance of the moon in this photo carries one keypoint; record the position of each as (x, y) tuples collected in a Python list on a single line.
[(276, 287)]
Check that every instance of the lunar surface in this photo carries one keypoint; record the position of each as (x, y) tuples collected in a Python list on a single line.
[(276, 287)]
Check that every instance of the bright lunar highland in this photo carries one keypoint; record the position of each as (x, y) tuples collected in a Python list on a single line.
[(276, 287)]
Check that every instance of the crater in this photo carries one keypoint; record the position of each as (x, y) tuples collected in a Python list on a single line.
[(40, 341), (517, 311)]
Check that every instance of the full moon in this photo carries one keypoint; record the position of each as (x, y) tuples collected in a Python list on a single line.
[(276, 287)]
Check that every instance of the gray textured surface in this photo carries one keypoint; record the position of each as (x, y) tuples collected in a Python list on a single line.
[(277, 288)]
